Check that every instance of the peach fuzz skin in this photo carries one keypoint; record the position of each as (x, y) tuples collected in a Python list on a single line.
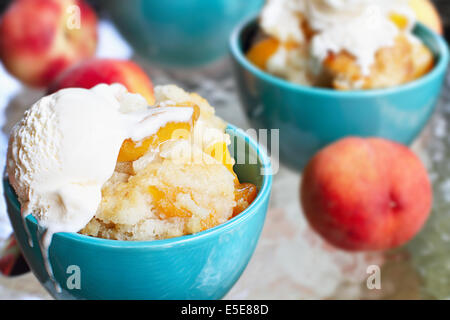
[(37, 41), (366, 194), (89, 73)]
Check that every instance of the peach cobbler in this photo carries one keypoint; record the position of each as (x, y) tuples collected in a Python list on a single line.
[(340, 44), (177, 181)]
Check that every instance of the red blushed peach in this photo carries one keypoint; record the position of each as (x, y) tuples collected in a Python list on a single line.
[(40, 38), (89, 73), (366, 194)]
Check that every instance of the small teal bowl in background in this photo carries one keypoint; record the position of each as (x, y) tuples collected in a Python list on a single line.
[(180, 33), (200, 266), (309, 118)]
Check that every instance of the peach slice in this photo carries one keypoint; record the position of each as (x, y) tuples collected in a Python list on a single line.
[(164, 204), (133, 150), (164, 201), (399, 20), (261, 52), (220, 152), (245, 193)]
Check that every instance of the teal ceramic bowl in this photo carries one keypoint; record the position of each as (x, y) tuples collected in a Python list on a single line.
[(200, 266), (310, 118), (180, 33)]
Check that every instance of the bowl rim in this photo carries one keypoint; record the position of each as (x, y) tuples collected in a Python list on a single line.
[(251, 210), (439, 68)]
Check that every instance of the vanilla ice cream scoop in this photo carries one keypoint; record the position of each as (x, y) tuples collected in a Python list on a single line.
[(66, 146)]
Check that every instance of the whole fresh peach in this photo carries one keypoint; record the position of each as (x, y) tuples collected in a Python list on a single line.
[(89, 73), (428, 14), (366, 194), (41, 38)]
